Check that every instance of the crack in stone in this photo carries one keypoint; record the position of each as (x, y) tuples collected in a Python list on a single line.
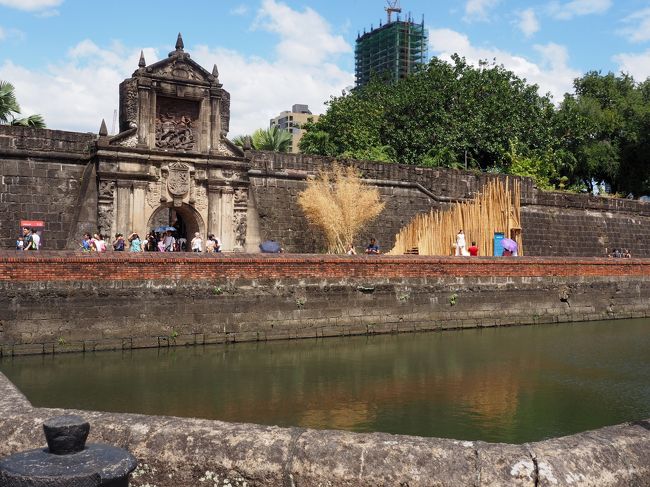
[(478, 467), (296, 433), (536, 471)]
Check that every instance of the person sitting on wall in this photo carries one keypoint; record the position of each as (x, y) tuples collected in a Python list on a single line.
[(351, 250), (507, 253), (85, 243), (197, 243), (118, 243), (28, 241), (20, 244), (473, 250), (627, 254), (169, 242), (373, 248)]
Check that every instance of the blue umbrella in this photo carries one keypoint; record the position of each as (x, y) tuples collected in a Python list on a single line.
[(270, 247), (164, 229)]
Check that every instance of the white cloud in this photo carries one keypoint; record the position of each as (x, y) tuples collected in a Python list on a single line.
[(551, 71), (305, 37), (638, 26), (576, 8), (636, 64), (239, 10), (76, 92), (479, 9), (527, 22), (31, 5)]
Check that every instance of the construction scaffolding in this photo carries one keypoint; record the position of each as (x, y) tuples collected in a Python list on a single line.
[(393, 51), (496, 209)]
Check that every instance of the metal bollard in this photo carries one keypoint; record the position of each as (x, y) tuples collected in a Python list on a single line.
[(68, 461)]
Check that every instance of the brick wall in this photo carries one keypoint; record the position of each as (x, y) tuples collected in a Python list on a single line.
[(65, 302)]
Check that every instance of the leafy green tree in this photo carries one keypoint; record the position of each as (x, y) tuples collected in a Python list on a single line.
[(271, 139), (436, 116), (9, 109), (604, 127)]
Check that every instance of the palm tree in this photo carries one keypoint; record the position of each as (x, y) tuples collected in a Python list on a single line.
[(9, 109), (272, 139)]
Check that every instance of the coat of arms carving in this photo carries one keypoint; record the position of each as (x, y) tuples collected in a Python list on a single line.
[(178, 181)]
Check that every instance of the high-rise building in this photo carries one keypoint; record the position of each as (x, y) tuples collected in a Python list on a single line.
[(292, 121), (392, 51)]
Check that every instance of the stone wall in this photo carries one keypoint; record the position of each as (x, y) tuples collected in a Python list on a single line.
[(50, 175), (176, 452), (42, 176), (53, 303), (553, 223)]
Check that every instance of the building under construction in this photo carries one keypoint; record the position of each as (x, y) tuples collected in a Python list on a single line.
[(392, 51)]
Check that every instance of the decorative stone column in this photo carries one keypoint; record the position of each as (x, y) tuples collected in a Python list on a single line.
[(138, 210), (214, 209), (227, 218), (123, 217), (144, 112)]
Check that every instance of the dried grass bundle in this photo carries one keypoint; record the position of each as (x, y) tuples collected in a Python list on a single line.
[(496, 209), (339, 204)]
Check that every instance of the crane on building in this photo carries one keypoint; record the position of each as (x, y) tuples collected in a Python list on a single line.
[(393, 6)]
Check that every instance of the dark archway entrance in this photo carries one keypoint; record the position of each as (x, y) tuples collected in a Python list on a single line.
[(184, 218)]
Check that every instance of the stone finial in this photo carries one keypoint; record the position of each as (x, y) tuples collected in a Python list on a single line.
[(215, 71), (142, 63), (66, 434), (179, 42), (103, 131)]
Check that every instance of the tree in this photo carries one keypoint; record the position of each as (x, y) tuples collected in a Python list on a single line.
[(9, 109), (435, 116), (339, 204), (272, 139), (604, 128)]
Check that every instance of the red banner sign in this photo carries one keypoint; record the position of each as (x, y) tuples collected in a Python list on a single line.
[(32, 223)]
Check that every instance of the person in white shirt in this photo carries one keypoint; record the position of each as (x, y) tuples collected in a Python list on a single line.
[(169, 242), (37, 239), (197, 243)]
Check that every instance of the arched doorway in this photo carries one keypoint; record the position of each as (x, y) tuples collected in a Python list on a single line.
[(184, 219)]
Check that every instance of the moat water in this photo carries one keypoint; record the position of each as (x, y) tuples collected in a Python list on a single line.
[(500, 384)]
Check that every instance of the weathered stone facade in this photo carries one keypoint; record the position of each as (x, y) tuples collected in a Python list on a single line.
[(171, 163)]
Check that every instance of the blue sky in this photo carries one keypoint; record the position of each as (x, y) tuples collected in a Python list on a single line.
[(67, 57)]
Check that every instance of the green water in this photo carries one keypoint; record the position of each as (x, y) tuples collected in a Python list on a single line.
[(500, 384)]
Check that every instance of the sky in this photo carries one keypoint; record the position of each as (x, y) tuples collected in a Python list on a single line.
[(66, 58)]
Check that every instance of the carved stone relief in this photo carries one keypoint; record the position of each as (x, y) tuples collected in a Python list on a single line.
[(178, 181), (153, 195), (239, 223), (106, 193), (176, 124), (201, 198), (241, 197)]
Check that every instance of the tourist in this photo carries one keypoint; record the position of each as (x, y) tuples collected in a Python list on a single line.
[(161, 244), (217, 244), (461, 244), (98, 243), (627, 254), (136, 243), (473, 250), (351, 250), (197, 243), (181, 245), (118, 243), (28, 242), (36, 239), (169, 242), (506, 253), (152, 242), (373, 248), (85, 243), (617, 254), (20, 244), (210, 244)]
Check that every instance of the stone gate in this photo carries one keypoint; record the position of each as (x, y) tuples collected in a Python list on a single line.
[(171, 162)]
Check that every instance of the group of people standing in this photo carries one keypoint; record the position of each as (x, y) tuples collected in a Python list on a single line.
[(29, 240), (153, 242)]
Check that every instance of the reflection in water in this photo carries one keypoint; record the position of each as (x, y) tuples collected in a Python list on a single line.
[(508, 384)]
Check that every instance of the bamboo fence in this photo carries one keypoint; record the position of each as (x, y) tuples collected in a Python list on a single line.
[(496, 209)]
